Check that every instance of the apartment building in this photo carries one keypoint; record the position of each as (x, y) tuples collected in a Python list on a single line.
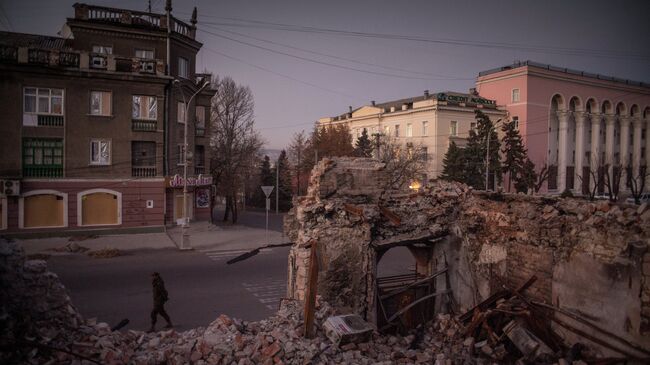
[(428, 121), (92, 132)]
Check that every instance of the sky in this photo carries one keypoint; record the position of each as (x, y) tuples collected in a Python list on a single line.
[(305, 60)]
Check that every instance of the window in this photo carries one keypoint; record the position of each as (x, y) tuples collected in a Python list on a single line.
[(181, 155), (515, 95), (145, 107), (409, 130), (100, 152), (472, 126), (103, 49), (396, 130), (43, 101), (453, 128), (199, 156), (180, 112), (425, 128), (387, 130), (42, 157), (515, 120), (43, 208), (425, 153), (143, 153), (146, 54), (200, 117), (183, 69), (100, 102)]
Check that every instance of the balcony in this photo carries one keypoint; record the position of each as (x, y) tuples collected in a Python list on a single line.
[(199, 132), (50, 120), (133, 18), (43, 171), (80, 60), (144, 125), (8, 54), (143, 171)]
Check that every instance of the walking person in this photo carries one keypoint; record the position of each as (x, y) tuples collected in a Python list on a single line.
[(159, 298)]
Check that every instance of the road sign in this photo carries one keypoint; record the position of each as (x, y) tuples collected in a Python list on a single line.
[(267, 190)]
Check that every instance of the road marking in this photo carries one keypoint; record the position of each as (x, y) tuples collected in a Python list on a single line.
[(221, 255), (267, 292)]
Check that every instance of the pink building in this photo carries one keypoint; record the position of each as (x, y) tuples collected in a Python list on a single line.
[(573, 121)]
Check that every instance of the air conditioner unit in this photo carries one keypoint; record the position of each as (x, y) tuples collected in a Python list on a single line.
[(10, 187), (98, 61), (147, 66)]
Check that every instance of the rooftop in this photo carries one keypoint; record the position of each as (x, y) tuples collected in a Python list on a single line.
[(544, 66), (33, 41)]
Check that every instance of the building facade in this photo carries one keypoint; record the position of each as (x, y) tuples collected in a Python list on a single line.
[(580, 124), (429, 121), (92, 123)]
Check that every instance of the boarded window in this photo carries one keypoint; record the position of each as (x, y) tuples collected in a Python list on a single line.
[(43, 210), (99, 208)]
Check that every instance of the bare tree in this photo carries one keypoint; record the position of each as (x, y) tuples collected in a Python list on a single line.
[(298, 158), (404, 163), (233, 140), (636, 181), (542, 177), (613, 174), (593, 172)]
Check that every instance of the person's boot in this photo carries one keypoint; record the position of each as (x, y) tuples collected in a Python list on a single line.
[(169, 325)]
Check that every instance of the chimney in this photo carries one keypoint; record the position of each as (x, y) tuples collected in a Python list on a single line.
[(350, 107), (472, 91), (373, 102), (426, 93)]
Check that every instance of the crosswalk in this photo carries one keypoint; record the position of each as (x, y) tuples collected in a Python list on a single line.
[(268, 292), (225, 255)]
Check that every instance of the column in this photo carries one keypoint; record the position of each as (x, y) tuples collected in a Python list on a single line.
[(594, 158), (580, 151), (609, 138), (563, 117), (624, 150), (637, 123)]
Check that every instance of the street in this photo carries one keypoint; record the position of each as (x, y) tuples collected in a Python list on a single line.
[(200, 284)]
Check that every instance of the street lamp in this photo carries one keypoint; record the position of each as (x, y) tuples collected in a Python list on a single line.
[(487, 153), (185, 237)]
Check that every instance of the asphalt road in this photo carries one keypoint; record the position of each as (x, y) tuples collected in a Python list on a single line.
[(201, 285), (253, 217)]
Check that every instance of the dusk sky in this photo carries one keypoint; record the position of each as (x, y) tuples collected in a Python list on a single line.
[(309, 59)]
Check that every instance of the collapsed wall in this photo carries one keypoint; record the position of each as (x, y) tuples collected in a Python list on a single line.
[(589, 258)]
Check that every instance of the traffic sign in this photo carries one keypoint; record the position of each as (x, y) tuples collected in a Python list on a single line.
[(267, 190)]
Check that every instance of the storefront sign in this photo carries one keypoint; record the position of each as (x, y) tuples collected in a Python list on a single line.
[(467, 99), (177, 181)]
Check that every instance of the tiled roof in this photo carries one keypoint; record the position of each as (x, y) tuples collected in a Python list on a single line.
[(33, 41)]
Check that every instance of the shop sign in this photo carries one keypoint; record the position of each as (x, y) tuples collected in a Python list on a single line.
[(177, 181), (467, 99)]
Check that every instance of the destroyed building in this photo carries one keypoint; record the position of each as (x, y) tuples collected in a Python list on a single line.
[(588, 259), (503, 278)]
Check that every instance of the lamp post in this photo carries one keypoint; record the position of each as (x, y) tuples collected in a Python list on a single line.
[(487, 154), (185, 236)]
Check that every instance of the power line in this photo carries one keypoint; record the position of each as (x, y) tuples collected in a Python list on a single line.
[(239, 22), (339, 57), (317, 61)]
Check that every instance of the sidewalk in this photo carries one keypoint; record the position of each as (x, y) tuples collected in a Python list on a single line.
[(203, 235)]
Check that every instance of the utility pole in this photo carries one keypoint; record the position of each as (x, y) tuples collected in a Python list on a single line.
[(277, 185), (487, 153)]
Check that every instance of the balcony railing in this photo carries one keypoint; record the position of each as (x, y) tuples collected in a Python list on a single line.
[(38, 56), (200, 132), (43, 171), (69, 59), (99, 61), (8, 54), (50, 120), (144, 125), (143, 171), (198, 170)]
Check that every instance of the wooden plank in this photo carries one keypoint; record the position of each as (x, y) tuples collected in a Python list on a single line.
[(310, 296), (392, 217), (353, 209)]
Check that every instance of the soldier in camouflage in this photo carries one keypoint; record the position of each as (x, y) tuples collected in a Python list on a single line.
[(159, 299)]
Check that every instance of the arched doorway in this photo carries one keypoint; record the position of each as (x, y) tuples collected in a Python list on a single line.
[(43, 209)]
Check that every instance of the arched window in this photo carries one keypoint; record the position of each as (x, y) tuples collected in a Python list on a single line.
[(99, 207), (43, 209)]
